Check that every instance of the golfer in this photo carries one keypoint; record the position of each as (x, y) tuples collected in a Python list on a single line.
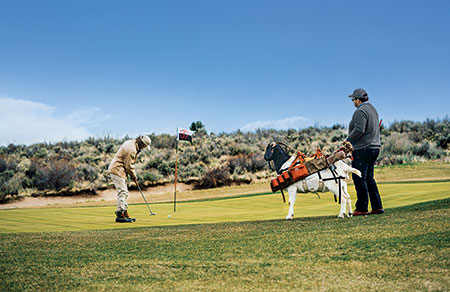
[(121, 166), (364, 134)]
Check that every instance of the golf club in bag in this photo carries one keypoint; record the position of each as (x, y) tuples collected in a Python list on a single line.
[(151, 213)]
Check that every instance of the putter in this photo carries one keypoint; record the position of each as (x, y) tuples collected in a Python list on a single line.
[(151, 213)]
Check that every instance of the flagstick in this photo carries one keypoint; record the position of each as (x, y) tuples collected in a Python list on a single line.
[(176, 166)]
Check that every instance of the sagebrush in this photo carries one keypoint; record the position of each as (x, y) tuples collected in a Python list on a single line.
[(235, 157)]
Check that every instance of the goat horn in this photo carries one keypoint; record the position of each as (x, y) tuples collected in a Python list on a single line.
[(284, 144)]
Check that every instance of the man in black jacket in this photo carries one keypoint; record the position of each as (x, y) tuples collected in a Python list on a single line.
[(364, 134)]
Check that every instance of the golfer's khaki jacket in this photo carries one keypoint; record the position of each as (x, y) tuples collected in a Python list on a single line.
[(123, 162)]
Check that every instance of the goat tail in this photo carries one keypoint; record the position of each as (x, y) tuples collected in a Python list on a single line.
[(349, 169), (355, 171)]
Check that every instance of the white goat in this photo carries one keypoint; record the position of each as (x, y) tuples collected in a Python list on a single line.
[(311, 184), (315, 183)]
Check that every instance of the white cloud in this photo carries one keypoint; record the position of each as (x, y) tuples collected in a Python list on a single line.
[(295, 122), (89, 116), (28, 122)]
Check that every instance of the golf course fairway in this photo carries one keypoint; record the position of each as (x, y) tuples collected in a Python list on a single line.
[(255, 207)]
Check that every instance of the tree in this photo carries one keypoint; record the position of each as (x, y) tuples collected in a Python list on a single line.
[(198, 127)]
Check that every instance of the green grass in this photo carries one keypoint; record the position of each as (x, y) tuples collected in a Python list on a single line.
[(430, 170), (241, 208), (406, 249), (248, 246)]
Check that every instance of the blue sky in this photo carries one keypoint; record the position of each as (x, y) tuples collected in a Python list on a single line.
[(74, 69)]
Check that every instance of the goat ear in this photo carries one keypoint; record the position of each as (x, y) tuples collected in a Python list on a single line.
[(268, 154)]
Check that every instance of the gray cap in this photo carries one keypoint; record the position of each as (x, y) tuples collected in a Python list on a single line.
[(358, 93)]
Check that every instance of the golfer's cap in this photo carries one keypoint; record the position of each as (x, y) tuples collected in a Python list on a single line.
[(146, 140), (358, 93)]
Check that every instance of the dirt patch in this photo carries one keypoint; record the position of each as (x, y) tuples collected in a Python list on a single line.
[(162, 193)]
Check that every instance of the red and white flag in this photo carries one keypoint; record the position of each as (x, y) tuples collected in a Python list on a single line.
[(184, 135)]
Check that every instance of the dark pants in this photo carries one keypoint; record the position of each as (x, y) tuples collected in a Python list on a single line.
[(366, 187)]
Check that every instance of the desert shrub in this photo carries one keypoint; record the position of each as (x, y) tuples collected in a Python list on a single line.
[(32, 168), (151, 176), (3, 166), (421, 149), (93, 141), (8, 164), (5, 176), (238, 164), (402, 126), (8, 168), (10, 188), (108, 148), (204, 155), (216, 150), (12, 148), (13, 185), (398, 143), (189, 155), (166, 167), (162, 161), (191, 170), (163, 141), (242, 163), (338, 127), (88, 173), (430, 130), (434, 153), (10, 179), (105, 144), (55, 175), (215, 177), (156, 157), (443, 141), (395, 159), (41, 153), (239, 148), (338, 137), (258, 162), (310, 131)]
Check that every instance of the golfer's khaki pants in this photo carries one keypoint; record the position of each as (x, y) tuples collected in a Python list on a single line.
[(122, 192)]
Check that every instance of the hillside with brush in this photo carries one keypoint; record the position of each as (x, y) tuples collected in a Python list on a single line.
[(213, 160)]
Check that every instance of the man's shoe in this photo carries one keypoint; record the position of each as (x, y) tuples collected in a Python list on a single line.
[(359, 213), (377, 212), (125, 214), (123, 220), (120, 218)]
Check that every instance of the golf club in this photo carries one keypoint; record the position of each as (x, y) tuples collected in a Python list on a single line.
[(151, 213)]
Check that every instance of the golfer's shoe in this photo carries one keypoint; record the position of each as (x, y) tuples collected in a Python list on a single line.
[(120, 218), (125, 214), (123, 220)]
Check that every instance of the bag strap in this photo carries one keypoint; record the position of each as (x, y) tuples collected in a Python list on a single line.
[(300, 158)]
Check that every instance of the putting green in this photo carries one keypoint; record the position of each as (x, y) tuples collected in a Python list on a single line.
[(259, 207)]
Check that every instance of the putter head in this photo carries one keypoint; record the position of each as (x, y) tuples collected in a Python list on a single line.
[(152, 213)]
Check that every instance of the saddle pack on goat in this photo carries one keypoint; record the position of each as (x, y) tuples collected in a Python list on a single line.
[(302, 166)]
